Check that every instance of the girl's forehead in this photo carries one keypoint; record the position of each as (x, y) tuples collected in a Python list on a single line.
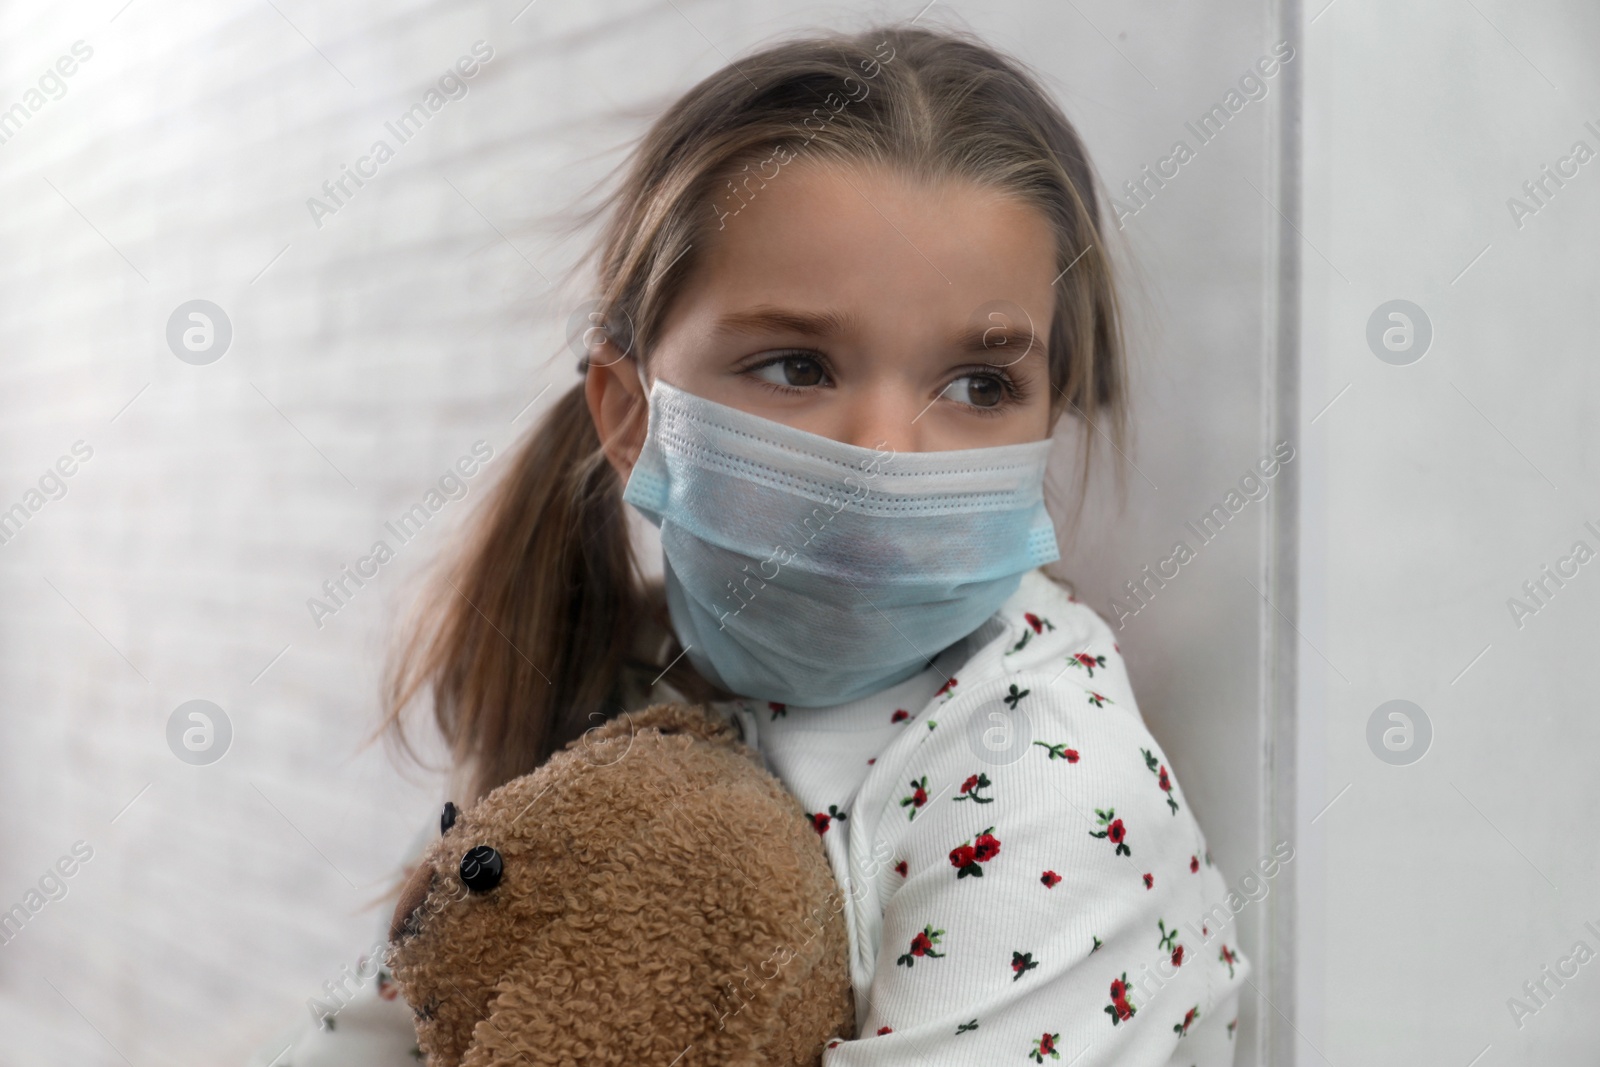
[(876, 244)]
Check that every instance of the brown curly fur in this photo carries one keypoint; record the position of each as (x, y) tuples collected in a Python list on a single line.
[(664, 901)]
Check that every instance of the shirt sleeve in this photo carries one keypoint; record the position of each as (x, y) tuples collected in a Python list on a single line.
[(1048, 895)]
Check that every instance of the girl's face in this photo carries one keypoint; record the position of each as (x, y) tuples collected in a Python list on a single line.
[(860, 305)]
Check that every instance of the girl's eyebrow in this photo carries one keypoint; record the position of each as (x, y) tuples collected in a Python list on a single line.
[(766, 318)]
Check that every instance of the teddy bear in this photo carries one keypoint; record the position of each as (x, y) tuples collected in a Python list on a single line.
[(650, 895)]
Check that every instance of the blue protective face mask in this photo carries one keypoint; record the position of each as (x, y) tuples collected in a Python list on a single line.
[(811, 572)]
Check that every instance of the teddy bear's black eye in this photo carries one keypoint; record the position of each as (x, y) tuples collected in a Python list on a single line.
[(448, 819), (481, 868)]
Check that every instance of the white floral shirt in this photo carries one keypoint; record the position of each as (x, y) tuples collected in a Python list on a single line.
[(1021, 877)]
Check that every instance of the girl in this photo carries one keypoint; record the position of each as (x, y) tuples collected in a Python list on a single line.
[(848, 288)]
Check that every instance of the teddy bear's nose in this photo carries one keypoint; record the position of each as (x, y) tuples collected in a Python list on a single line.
[(481, 868), (411, 898)]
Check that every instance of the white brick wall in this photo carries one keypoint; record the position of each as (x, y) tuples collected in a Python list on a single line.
[(367, 355)]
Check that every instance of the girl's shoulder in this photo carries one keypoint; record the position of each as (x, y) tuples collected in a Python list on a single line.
[(1045, 684), (1044, 627), (1036, 732)]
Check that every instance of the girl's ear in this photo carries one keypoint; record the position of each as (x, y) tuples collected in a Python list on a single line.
[(618, 405)]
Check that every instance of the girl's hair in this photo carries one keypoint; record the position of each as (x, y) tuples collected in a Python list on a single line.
[(542, 626)]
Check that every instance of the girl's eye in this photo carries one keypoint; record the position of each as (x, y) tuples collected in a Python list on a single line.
[(984, 391), (789, 373), (988, 392)]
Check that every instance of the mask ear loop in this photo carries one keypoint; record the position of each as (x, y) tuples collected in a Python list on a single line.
[(644, 380)]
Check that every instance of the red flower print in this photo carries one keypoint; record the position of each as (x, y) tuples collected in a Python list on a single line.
[(1037, 624), (970, 789), (1021, 964), (1164, 783), (1045, 1046), (1169, 942), (918, 797), (885, 1030), (922, 945), (900, 715), (900, 868), (1228, 957), (1060, 751), (1114, 831), (1182, 1029), (949, 684), (966, 857), (821, 820), (1194, 864), (1050, 879), (1149, 880), (871, 761), (1099, 699), (1120, 1008), (1086, 661), (777, 709)]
